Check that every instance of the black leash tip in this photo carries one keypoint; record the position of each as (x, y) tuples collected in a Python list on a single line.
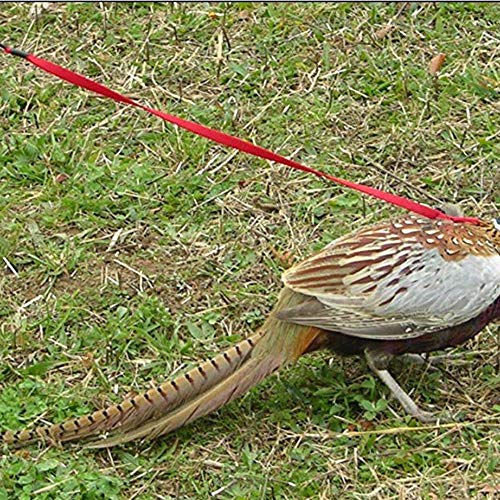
[(14, 52)]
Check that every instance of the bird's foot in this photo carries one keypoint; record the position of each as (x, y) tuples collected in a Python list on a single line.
[(426, 417), (375, 362), (406, 400)]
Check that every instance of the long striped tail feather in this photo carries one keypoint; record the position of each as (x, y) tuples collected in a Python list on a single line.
[(278, 346), (250, 374), (194, 394), (132, 412)]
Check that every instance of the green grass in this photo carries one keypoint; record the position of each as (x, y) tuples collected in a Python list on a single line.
[(161, 248)]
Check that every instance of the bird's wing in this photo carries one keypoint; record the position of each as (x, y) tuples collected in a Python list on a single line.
[(383, 283)]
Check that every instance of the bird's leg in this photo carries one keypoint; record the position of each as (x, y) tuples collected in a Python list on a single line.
[(433, 361), (378, 363), (415, 358), (418, 359)]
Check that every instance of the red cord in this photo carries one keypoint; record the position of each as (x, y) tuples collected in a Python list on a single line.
[(231, 141)]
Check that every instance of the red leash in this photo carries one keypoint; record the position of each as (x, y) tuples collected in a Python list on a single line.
[(229, 140)]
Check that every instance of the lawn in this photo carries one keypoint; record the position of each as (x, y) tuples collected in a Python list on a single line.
[(131, 249)]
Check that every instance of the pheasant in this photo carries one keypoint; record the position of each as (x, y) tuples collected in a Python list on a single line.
[(405, 286)]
